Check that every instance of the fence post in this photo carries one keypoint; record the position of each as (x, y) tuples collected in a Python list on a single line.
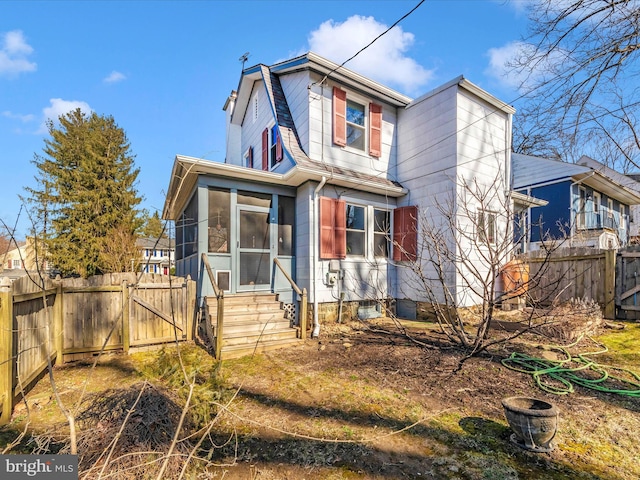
[(6, 351), (126, 340), (58, 325), (610, 284)]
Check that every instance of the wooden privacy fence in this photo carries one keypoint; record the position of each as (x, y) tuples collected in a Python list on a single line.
[(69, 319), (628, 283), (576, 272)]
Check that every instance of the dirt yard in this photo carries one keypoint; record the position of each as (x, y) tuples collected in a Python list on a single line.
[(365, 402)]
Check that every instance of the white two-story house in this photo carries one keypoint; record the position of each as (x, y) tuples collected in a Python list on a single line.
[(331, 173)]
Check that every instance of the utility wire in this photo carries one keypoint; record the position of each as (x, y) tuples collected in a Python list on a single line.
[(371, 42)]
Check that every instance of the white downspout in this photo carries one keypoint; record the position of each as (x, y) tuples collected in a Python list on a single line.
[(316, 324)]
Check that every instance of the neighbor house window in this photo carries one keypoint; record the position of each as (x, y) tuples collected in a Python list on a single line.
[(356, 238), (350, 125), (610, 207), (487, 228), (187, 230), (381, 232)]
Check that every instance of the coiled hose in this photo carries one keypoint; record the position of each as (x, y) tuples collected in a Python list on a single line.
[(560, 376)]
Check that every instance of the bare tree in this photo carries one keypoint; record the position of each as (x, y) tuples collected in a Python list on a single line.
[(579, 69), (466, 245)]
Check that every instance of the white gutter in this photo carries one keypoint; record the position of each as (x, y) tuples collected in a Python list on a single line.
[(315, 245)]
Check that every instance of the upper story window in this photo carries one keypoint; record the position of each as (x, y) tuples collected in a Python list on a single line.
[(247, 159), (610, 207), (271, 147), (356, 124)]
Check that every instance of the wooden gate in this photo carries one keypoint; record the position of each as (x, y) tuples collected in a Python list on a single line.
[(628, 284)]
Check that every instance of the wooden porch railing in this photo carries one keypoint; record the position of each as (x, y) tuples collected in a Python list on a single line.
[(303, 299), (219, 308)]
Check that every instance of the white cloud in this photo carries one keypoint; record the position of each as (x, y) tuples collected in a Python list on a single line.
[(520, 7), (385, 61), (537, 67), (499, 59), (114, 77), (60, 107), (17, 116), (13, 52)]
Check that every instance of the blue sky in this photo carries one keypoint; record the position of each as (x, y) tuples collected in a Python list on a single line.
[(163, 69)]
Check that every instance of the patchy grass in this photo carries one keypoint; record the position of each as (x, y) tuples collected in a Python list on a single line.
[(361, 404)]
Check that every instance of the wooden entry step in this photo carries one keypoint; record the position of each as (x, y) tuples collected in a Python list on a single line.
[(253, 322)]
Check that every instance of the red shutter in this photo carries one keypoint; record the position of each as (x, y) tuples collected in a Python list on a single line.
[(278, 146), (339, 117), (340, 238), (405, 233), (333, 228), (375, 130), (265, 149), (327, 219), (250, 158)]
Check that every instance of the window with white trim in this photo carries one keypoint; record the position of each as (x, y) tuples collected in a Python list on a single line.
[(247, 158), (356, 233), (381, 232), (357, 124), (610, 207), (487, 227)]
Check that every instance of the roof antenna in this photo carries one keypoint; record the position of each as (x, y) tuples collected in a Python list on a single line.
[(243, 59)]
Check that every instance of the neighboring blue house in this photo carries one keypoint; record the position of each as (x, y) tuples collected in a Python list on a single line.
[(585, 206)]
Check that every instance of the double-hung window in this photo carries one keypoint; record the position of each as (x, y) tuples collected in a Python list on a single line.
[(247, 159), (381, 232), (271, 147), (487, 227), (353, 230), (356, 123), (356, 232)]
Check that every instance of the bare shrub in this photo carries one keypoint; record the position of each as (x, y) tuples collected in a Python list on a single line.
[(129, 431)]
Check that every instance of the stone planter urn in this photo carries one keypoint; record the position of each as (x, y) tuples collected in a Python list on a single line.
[(534, 422)]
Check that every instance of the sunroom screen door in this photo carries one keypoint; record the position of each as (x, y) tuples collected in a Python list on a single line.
[(254, 253)]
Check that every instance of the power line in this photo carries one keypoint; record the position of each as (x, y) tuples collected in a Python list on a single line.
[(371, 42)]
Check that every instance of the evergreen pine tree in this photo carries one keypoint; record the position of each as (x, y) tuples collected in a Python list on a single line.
[(86, 192), (152, 226)]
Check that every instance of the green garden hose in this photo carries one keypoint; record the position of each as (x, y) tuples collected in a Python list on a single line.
[(560, 376)]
